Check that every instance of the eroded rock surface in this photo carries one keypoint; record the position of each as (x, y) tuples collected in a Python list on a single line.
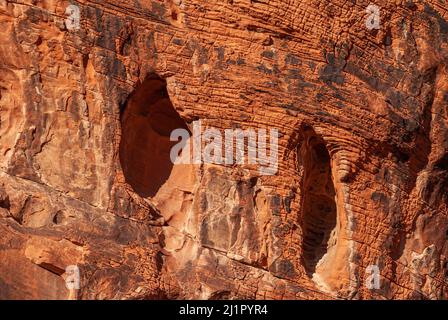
[(85, 176)]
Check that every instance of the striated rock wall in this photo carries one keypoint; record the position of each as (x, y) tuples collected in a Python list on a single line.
[(85, 171)]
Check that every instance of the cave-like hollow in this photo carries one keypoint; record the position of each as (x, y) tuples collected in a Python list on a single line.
[(319, 214), (147, 120)]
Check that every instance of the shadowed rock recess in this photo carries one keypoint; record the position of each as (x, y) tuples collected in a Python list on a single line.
[(86, 178), (147, 122), (319, 207)]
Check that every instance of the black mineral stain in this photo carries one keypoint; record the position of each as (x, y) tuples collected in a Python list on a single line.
[(387, 41), (111, 27), (284, 268), (118, 69), (159, 261), (240, 61), (443, 24), (262, 68), (158, 10), (220, 52), (178, 42), (268, 54), (203, 56), (292, 59), (381, 199), (276, 204), (332, 71), (287, 203)]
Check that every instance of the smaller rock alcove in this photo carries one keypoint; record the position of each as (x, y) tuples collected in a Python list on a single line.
[(319, 215)]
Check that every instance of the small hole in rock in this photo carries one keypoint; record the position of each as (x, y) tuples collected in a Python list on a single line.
[(147, 121)]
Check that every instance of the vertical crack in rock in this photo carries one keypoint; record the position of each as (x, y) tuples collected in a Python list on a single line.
[(147, 121), (319, 214)]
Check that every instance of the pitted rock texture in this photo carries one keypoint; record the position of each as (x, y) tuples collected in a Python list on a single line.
[(85, 120)]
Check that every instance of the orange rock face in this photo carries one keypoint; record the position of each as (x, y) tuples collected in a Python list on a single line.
[(357, 208)]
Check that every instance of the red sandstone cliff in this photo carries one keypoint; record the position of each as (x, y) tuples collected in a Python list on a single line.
[(86, 177)]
